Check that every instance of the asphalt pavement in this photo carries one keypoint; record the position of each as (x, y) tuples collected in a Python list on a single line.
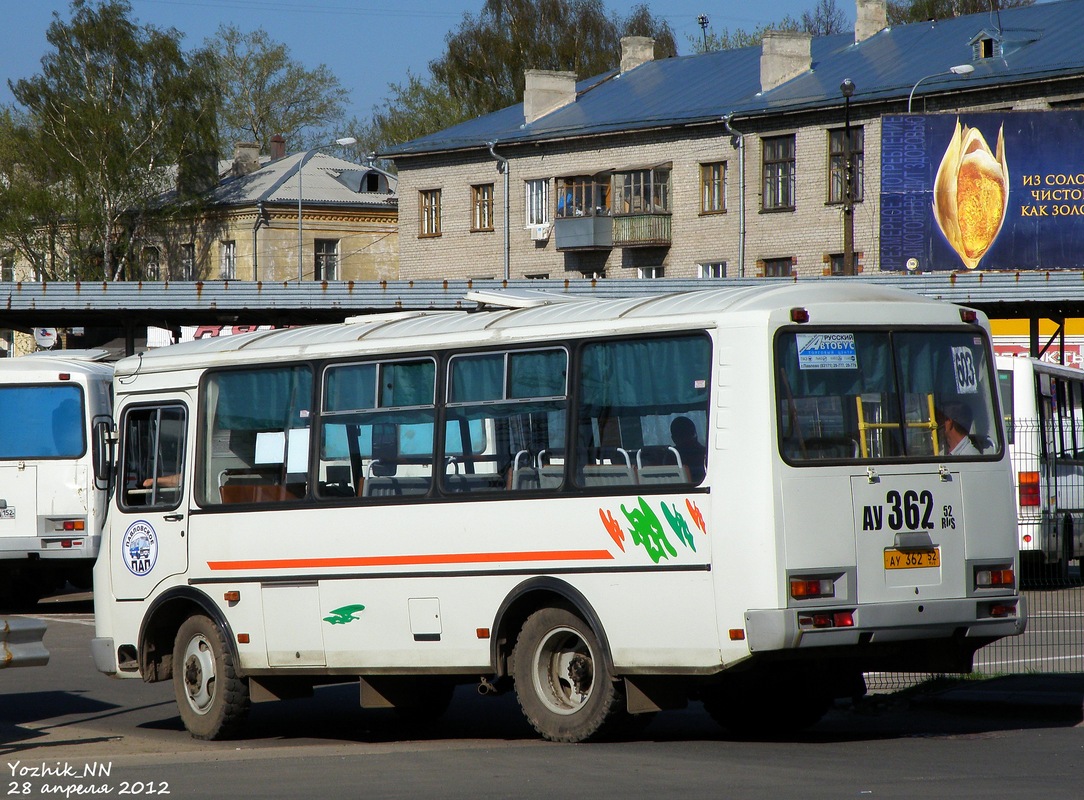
[(1055, 694)]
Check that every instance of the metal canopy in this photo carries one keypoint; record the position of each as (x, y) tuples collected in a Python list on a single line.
[(1019, 295)]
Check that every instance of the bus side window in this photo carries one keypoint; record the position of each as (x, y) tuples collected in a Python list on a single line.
[(153, 456)]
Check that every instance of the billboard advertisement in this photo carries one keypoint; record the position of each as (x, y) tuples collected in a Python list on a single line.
[(983, 191)]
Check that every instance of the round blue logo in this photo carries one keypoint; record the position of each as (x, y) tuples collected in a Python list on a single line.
[(139, 547)]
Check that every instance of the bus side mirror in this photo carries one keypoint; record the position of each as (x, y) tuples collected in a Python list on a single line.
[(103, 445)]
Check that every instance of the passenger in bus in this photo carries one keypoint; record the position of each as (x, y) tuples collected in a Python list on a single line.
[(955, 423), (693, 454)]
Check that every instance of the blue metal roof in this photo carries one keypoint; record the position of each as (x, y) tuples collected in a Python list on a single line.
[(1040, 42)]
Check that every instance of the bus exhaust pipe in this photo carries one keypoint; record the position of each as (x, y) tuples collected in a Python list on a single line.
[(486, 687)]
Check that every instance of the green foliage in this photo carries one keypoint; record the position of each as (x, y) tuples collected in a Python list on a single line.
[(265, 92), (904, 11), (116, 107), (482, 68)]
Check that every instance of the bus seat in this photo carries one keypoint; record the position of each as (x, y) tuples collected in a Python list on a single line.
[(664, 473), (608, 475), (387, 486)]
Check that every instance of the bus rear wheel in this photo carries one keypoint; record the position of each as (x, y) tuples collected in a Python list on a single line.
[(212, 699), (563, 683)]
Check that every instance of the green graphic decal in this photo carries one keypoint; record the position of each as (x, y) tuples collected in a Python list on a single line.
[(341, 616), (680, 526), (647, 531)]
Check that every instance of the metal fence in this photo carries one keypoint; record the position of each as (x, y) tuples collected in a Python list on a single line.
[(21, 643)]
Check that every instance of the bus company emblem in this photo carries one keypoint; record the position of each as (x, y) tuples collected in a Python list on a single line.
[(140, 547)]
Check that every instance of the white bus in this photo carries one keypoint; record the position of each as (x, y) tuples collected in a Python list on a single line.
[(55, 414), (512, 497), (1043, 405)]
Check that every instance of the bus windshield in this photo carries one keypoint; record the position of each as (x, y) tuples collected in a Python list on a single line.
[(861, 395), (41, 422)]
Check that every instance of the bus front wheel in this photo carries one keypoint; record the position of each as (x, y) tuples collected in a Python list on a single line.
[(212, 699), (562, 681)]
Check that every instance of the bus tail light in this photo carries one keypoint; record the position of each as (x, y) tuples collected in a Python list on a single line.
[(995, 577), (1003, 611), (807, 588), (827, 619), (1029, 489)]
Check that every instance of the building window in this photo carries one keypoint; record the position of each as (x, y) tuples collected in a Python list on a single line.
[(429, 218), (7, 268), (151, 259), (650, 273), (228, 267), (713, 188), (326, 264), (642, 191), (541, 276), (837, 164), (481, 203), (711, 269), (778, 267), (537, 202), (779, 168), (584, 196), (188, 262)]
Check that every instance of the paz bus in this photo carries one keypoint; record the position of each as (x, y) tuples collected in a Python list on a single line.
[(55, 417), (512, 497), (1043, 404)]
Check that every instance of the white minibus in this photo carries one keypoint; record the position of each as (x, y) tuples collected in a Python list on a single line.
[(1043, 405), (55, 419), (750, 496)]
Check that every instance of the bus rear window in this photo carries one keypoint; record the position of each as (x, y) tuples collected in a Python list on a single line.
[(41, 422), (860, 395)]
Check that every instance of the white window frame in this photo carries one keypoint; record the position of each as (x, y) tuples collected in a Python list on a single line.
[(536, 202), (228, 267), (711, 270)]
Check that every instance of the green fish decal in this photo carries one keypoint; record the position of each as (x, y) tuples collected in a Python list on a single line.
[(341, 616)]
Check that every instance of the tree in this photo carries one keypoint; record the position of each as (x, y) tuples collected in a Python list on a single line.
[(825, 19), (904, 11), (482, 68), (116, 114), (264, 92)]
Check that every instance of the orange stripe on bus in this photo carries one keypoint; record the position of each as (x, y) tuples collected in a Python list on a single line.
[(407, 560)]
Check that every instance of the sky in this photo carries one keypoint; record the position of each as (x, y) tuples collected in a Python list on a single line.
[(367, 44)]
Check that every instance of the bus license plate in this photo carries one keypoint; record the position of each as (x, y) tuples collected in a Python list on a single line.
[(7, 512), (912, 559)]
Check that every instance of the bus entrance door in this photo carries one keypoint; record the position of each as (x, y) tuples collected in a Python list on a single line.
[(150, 522)]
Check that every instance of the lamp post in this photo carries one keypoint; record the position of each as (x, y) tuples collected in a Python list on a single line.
[(959, 69), (345, 141), (847, 88)]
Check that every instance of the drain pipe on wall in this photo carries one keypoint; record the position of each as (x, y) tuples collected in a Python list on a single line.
[(502, 167), (737, 139), (261, 215)]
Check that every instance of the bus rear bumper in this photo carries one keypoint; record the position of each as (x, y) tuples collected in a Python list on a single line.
[(883, 623)]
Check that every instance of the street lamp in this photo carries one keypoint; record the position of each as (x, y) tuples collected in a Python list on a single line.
[(345, 141), (959, 69), (847, 88)]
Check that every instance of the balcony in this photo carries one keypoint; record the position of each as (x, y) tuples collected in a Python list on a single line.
[(641, 230), (584, 233), (604, 233)]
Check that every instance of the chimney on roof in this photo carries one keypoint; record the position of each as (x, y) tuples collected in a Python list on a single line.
[(545, 91), (636, 50), (246, 158), (784, 55), (278, 147), (871, 16)]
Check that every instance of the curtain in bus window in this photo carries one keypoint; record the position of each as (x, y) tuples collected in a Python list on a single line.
[(407, 384), (537, 374), (476, 379), (263, 399), (643, 411), (42, 422), (649, 373), (350, 388)]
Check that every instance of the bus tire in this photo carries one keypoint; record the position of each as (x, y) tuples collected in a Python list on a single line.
[(212, 699), (563, 684)]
